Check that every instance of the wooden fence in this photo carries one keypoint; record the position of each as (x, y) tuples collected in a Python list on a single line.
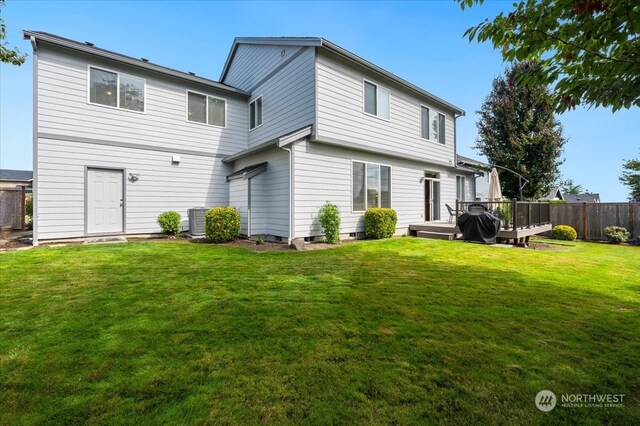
[(12, 208), (590, 219)]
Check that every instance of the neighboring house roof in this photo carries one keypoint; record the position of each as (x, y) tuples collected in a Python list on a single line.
[(140, 63), (586, 197), (324, 43), (554, 194), (16, 175)]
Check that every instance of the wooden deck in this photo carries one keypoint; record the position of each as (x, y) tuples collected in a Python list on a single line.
[(436, 229)]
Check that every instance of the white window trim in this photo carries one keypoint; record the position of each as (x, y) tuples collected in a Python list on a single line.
[(437, 112), (206, 109), (117, 73), (365, 184), (364, 80), (262, 122)]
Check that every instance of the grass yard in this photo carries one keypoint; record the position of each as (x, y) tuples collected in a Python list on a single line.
[(397, 331)]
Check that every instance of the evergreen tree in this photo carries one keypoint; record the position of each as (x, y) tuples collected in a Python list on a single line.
[(631, 177), (518, 130)]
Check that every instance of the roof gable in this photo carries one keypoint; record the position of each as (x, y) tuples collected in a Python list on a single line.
[(326, 44)]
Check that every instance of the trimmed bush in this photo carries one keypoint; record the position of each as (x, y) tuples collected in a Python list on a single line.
[(616, 234), (329, 218), (380, 223), (171, 223), (556, 201), (222, 224), (564, 232)]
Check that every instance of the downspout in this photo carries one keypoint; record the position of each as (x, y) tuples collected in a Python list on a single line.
[(290, 238), (34, 190)]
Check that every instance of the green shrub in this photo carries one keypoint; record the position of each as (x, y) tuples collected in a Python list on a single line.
[(505, 213), (564, 232), (29, 206), (329, 218), (380, 223), (556, 201), (616, 234), (259, 240), (222, 224), (171, 223)]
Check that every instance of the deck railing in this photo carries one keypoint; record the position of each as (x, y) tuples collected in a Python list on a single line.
[(514, 214)]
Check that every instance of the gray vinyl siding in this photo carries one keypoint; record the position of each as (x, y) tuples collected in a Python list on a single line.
[(482, 186), (63, 108), (239, 199), (323, 173), (259, 215), (340, 113), (64, 118), (196, 181), (275, 181), (288, 96)]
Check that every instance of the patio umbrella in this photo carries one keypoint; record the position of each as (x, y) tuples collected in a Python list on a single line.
[(495, 193)]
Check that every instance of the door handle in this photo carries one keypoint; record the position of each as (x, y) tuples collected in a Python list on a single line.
[(121, 202)]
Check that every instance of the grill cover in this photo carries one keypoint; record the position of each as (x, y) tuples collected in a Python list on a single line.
[(478, 225)]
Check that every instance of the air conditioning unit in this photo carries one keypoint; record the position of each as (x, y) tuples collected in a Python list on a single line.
[(196, 220)]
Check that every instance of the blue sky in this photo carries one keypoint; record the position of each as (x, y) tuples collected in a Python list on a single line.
[(419, 41)]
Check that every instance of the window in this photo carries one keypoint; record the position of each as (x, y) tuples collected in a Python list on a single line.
[(431, 125), (376, 100), (116, 90), (255, 113), (206, 109), (371, 186), (461, 188)]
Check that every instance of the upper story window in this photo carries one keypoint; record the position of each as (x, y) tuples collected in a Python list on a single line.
[(116, 90), (432, 125), (371, 186), (206, 109), (255, 113), (376, 100)]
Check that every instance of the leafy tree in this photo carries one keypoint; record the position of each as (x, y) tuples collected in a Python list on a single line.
[(631, 177), (589, 50), (9, 56), (518, 130), (568, 186)]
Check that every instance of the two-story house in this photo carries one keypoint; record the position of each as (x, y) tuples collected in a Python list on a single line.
[(292, 123)]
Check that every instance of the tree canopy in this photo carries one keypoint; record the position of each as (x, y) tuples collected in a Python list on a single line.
[(519, 131), (568, 186), (631, 178), (588, 50), (7, 55)]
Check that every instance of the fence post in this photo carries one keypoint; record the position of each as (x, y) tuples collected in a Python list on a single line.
[(456, 218), (631, 220), (514, 212), (584, 220), (23, 210)]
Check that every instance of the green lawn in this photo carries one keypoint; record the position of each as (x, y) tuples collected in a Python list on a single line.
[(397, 331)]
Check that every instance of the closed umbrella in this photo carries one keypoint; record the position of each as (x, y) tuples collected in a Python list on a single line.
[(495, 193)]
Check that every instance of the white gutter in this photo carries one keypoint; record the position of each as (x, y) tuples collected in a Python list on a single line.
[(290, 238), (34, 185)]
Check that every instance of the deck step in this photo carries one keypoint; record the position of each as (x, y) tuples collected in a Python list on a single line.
[(444, 228), (436, 235)]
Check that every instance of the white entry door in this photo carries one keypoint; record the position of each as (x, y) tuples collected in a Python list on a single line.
[(105, 203)]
